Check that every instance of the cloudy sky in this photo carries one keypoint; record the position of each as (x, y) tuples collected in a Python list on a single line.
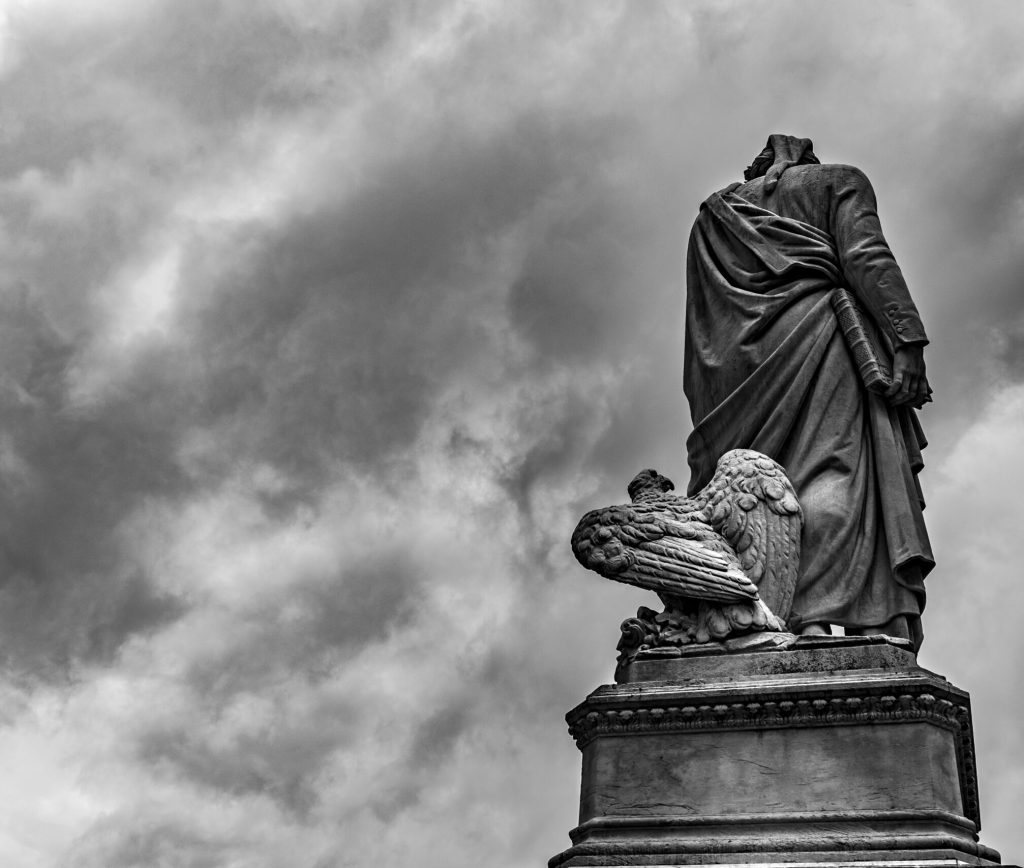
[(321, 323)]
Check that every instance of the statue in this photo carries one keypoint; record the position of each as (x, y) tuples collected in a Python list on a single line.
[(803, 368), (724, 562), (738, 729), (767, 367)]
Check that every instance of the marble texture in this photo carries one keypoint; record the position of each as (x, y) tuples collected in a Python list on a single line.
[(821, 769), (766, 367), (724, 562), (822, 752), (802, 655)]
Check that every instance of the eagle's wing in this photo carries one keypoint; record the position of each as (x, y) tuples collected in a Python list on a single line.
[(751, 503), (651, 548)]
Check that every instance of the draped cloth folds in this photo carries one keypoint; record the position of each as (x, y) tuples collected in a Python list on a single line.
[(767, 368)]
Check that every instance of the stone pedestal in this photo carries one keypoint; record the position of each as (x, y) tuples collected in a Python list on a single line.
[(831, 750)]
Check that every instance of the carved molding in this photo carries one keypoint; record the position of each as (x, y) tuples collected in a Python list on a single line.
[(587, 722), (863, 848)]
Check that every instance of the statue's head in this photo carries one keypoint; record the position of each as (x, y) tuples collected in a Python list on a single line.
[(648, 482), (779, 154)]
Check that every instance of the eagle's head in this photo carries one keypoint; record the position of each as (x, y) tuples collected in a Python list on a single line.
[(649, 483)]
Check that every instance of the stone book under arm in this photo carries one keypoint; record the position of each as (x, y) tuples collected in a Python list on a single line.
[(870, 355)]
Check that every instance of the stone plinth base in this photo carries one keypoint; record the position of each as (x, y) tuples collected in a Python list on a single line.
[(830, 750)]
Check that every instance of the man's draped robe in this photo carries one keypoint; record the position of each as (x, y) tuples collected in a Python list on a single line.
[(767, 368)]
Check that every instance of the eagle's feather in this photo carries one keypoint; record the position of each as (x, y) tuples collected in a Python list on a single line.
[(735, 545)]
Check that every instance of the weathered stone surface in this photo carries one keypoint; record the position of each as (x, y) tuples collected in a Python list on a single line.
[(828, 751), (739, 731), (724, 561), (719, 773), (804, 654), (768, 366)]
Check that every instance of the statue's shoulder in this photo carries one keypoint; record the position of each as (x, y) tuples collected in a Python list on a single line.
[(833, 176)]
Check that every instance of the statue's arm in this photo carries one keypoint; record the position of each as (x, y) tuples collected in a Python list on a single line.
[(871, 272), (869, 268)]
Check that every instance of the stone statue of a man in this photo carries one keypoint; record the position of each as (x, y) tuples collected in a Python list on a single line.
[(767, 368)]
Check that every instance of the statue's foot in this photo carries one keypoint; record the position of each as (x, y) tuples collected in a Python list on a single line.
[(896, 627), (816, 630)]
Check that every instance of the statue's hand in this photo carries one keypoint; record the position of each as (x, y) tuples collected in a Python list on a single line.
[(909, 381)]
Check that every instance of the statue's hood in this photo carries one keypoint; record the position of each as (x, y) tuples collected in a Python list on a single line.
[(790, 149), (783, 151)]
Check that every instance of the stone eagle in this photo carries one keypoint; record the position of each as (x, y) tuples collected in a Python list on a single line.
[(723, 562)]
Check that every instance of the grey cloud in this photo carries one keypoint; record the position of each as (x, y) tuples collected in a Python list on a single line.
[(329, 343), (70, 477), (52, 116), (574, 296), (123, 841), (221, 61), (331, 618), (1011, 351), (437, 735), (366, 602), (283, 762), (213, 63), (434, 740), (134, 608), (80, 190), (565, 417), (281, 765), (333, 340)]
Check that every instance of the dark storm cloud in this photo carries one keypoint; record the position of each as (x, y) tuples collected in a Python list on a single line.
[(125, 842), (83, 178), (437, 735), (134, 608), (973, 192), (70, 477), (329, 619), (282, 764), (334, 339), (432, 745), (566, 416), (576, 294), (349, 320), (327, 338), (214, 64), (1011, 351)]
